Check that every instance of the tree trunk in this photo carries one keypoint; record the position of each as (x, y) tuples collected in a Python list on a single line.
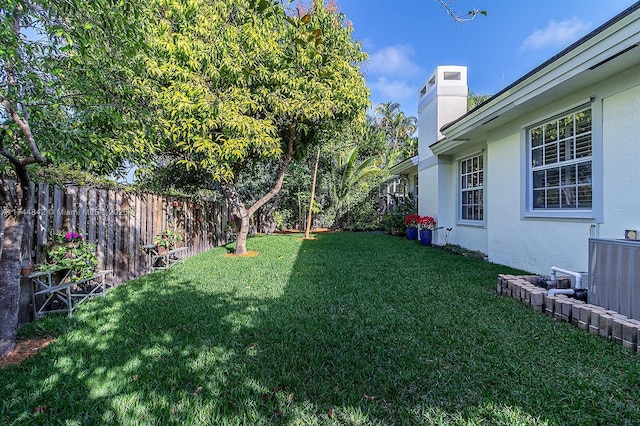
[(10, 282), (12, 200), (243, 233), (13, 204), (313, 193), (300, 223), (233, 197), (336, 221)]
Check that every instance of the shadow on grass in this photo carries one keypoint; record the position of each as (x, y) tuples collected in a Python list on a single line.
[(349, 329), (153, 351)]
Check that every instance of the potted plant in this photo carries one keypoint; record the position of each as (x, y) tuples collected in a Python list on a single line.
[(411, 222), (70, 251), (70, 239), (427, 226), (166, 240)]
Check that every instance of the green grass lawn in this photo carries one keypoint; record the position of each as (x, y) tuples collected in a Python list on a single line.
[(348, 329)]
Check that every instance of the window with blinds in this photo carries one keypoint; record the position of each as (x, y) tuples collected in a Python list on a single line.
[(561, 163)]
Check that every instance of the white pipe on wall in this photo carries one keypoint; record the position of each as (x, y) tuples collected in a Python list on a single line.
[(577, 275), (567, 291)]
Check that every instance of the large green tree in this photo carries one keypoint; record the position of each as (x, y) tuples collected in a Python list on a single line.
[(237, 82), (62, 95)]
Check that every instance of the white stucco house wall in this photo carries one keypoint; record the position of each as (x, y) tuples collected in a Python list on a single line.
[(530, 175)]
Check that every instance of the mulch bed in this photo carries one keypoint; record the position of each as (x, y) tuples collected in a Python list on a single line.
[(249, 253), (24, 349)]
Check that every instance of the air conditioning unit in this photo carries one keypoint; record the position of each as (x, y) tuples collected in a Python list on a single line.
[(614, 272)]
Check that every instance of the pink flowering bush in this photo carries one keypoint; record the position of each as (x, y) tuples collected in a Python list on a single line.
[(72, 236), (63, 237)]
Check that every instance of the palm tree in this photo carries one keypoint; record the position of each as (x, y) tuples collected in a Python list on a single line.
[(348, 175), (475, 99), (403, 128), (386, 111), (395, 123)]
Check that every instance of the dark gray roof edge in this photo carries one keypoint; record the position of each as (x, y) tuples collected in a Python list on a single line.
[(406, 160), (549, 61)]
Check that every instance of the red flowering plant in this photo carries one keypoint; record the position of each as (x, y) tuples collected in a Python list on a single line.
[(427, 222), (412, 220)]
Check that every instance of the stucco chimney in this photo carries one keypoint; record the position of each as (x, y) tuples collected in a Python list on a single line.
[(442, 99)]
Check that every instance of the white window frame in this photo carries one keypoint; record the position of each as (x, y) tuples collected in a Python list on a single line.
[(471, 181), (593, 214)]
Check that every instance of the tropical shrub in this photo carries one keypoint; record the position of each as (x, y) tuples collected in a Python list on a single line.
[(394, 221)]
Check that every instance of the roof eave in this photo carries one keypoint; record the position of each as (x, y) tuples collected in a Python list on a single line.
[(405, 165), (589, 51)]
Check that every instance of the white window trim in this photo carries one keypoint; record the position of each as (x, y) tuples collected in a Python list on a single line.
[(526, 205), (467, 222)]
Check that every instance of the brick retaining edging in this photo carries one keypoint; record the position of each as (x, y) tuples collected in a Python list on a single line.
[(591, 318)]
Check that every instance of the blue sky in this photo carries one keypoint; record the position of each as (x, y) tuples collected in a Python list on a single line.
[(407, 39)]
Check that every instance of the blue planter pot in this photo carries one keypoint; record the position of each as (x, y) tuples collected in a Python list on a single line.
[(425, 236), (412, 233)]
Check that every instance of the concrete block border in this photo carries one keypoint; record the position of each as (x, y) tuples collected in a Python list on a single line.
[(587, 317)]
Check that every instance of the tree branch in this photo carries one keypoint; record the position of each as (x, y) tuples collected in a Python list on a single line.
[(26, 131), (283, 171), (18, 165), (24, 126), (463, 19)]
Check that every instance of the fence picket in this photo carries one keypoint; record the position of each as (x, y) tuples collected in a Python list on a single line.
[(102, 226), (92, 217), (138, 242), (30, 217), (58, 207), (71, 214), (42, 221), (127, 236), (82, 211)]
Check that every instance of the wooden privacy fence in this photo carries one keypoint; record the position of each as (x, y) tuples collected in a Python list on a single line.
[(119, 223)]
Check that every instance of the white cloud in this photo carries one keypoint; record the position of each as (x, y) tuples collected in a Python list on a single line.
[(556, 34), (392, 90), (393, 61)]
